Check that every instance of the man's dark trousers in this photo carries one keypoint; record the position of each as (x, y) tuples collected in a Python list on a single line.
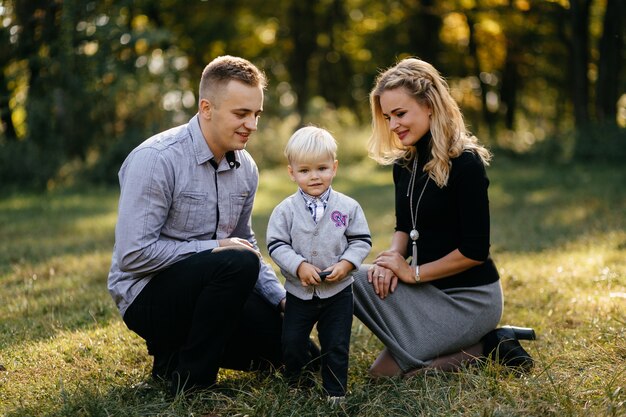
[(201, 314)]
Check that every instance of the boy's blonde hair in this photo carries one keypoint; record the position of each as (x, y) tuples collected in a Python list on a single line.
[(309, 144)]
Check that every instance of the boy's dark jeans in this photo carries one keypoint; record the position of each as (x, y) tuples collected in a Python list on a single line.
[(334, 322), (200, 314)]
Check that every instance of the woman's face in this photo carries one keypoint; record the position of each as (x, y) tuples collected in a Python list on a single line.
[(409, 119)]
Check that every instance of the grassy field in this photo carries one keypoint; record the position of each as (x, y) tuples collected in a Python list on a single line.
[(558, 238)]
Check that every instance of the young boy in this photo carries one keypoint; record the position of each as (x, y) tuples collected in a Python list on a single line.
[(317, 236)]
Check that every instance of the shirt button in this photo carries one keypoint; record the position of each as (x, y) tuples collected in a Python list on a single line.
[(314, 253), (316, 233)]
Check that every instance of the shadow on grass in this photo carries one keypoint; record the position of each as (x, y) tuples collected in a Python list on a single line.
[(40, 314), (54, 259), (35, 228), (537, 207), (90, 401), (439, 393), (238, 394)]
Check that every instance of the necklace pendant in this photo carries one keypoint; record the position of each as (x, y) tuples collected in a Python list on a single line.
[(414, 235)]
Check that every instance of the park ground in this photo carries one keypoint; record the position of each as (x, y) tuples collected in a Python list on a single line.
[(558, 238)]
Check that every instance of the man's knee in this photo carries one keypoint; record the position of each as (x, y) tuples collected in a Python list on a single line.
[(250, 262), (248, 265), (239, 261)]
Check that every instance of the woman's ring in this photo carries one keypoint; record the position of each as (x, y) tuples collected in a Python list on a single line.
[(380, 276)]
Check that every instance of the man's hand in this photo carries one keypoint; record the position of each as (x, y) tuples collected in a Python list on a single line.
[(235, 241)]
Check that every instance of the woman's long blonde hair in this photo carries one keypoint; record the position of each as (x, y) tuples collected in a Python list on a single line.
[(450, 136)]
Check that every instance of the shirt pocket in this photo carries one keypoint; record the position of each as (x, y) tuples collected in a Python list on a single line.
[(191, 212), (237, 201)]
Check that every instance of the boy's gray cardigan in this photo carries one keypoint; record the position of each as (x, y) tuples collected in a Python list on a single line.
[(293, 237)]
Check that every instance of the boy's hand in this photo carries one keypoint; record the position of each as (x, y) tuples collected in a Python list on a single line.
[(307, 274), (339, 271), (324, 274)]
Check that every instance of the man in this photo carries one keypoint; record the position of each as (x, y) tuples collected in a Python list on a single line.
[(186, 272)]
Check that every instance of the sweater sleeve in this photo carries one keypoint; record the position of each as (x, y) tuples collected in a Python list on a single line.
[(359, 238), (279, 244), (471, 184)]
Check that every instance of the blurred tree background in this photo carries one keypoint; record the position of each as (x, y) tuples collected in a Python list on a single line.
[(83, 82)]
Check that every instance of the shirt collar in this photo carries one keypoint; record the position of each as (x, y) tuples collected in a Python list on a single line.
[(231, 158), (310, 199), (202, 150)]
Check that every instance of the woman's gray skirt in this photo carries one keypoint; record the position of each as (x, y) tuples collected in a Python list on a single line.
[(418, 323)]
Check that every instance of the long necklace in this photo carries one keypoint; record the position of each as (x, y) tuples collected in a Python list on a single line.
[(414, 235)]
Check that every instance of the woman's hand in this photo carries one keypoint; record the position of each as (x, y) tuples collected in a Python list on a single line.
[(387, 283), (396, 263), (383, 280)]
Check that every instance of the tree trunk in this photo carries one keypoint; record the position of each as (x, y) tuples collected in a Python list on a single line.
[(609, 64), (488, 116), (511, 83), (303, 35), (579, 50), (424, 25), (334, 68), (5, 111)]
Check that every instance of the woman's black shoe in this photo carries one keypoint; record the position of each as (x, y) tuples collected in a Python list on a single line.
[(502, 346), (522, 333)]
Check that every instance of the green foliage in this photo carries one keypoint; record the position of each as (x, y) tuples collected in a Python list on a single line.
[(83, 81), (558, 238), (23, 163)]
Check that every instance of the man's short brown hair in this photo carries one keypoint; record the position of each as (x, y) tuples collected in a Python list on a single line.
[(226, 68)]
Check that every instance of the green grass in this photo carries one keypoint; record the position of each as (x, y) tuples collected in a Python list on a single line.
[(558, 238)]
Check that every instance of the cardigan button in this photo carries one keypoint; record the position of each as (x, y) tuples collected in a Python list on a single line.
[(314, 253)]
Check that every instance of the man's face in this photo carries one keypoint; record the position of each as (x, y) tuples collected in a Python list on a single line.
[(228, 122)]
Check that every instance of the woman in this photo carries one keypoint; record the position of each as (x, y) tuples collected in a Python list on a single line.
[(438, 309)]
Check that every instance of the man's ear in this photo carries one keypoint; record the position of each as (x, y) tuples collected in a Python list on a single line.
[(205, 108)]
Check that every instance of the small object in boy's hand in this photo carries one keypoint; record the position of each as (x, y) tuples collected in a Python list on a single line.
[(324, 274)]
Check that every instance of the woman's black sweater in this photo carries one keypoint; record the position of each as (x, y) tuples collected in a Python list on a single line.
[(453, 217)]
